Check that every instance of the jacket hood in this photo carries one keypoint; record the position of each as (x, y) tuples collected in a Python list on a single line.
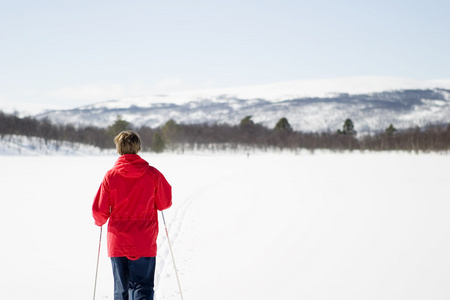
[(131, 166)]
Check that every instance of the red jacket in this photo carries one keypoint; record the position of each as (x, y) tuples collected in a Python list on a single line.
[(129, 196)]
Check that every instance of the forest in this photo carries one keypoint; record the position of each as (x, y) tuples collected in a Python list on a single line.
[(248, 134)]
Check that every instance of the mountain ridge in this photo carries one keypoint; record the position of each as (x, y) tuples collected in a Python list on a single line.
[(373, 109)]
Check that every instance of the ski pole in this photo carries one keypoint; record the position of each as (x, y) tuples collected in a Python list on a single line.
[(98, 258), (173, 259)]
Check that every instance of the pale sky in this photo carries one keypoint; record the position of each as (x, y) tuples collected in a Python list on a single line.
[(69, 53)]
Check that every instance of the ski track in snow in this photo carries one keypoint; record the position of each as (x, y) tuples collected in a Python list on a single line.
[(174, 221), (174, 218)]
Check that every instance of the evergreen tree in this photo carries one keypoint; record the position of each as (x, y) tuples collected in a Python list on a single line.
[(390, 130), (170, 131), (283, 125), (158, 144), (347, 128), (246, 122), (118, 126)]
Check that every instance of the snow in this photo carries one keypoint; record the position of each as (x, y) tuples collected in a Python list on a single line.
[(32, 146), (270, 226)]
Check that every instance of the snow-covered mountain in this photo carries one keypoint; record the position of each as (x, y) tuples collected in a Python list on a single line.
[(310, 105)]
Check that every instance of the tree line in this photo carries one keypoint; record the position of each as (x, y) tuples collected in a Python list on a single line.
[(173, 136)]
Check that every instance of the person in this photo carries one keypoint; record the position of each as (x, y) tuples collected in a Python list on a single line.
[(129, 197)]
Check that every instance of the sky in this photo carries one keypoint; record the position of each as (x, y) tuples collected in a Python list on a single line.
[(65, 54)]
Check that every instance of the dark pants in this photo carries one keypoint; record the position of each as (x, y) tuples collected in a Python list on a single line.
[(133, 279)]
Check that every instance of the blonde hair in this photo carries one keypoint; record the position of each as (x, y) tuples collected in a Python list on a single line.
[(127, 142)]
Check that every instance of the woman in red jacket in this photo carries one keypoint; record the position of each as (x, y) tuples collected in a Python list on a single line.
[(129, 196)]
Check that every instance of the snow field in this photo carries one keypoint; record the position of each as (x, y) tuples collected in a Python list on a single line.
[(271, 226)]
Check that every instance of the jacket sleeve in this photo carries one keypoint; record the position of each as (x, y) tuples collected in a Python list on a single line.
[(163, 194), (102, 204)]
